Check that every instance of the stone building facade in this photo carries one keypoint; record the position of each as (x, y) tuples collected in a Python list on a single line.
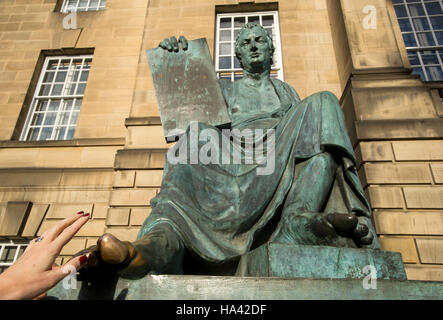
[(111, 164)]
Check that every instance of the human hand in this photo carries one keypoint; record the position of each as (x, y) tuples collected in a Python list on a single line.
[(171, 44), (34, 272)]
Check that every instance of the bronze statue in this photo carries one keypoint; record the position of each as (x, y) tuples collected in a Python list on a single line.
[(210, 215)]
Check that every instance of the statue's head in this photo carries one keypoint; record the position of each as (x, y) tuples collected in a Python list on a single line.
[(254, 48)]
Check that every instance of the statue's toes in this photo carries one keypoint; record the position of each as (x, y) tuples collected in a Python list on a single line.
[(360, 231), (367, 240), (343, 222), (112, 250)]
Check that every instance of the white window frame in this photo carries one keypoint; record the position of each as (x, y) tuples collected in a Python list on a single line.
[(277, 68), (62, 97), (101, 5), (11, 244)]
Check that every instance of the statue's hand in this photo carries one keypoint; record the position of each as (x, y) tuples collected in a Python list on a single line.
[(171, 44)]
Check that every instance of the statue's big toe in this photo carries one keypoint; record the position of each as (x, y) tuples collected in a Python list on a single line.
[(343, 222), (112, 250)]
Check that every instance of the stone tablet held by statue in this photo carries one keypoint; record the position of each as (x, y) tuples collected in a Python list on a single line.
[(187, 88)]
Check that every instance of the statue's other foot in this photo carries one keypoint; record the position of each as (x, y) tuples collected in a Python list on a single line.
[(327, 229)]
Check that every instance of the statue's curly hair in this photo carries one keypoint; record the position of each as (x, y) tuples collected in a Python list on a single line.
[(252, 25)]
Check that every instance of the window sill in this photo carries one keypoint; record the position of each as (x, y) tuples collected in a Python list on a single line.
[(63, 143)]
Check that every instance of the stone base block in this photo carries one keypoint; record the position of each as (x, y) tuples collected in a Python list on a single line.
[(168, 287), (319, 262)]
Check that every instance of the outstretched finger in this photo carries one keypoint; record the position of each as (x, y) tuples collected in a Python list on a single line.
[(71, 267), (54, 232), (174, 44), (183, 42), (69, 232)]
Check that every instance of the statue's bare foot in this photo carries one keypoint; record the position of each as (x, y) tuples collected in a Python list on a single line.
[(110, 255), (344, 225), (327, 229)]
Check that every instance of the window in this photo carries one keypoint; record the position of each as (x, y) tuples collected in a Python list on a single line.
[(228, 27), (421, 24), (57, 99), (82, 5), (10, 252)]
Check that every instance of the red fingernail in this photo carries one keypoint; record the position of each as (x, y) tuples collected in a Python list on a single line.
[(86, 214), (83, 259), (80, 212)]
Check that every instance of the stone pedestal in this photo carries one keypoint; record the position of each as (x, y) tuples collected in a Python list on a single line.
[(318, 262), (166, 287), (281, 272)]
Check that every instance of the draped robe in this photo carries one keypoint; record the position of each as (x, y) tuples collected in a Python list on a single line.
[(218, 210)]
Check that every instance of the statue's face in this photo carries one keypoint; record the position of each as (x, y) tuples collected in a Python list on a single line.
[(254, 50)]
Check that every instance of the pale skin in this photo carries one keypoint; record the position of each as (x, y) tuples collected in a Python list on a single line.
[(255, 52), (35, 272)]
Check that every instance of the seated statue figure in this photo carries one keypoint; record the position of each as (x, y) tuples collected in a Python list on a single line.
[(207, 216)]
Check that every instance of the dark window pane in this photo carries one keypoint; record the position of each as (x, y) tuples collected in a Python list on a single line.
[(429, 59), (419, 71), (239, 22), (42, 105), (433, 8), (48, 77), (409, 40), (33, 134), (60, 133), (268, 21), (57, 90), (439, 36), (64, 64), (63, 118), (405, 25), (421, 24), (236, 63), (70, 135), (425, 39), (38, 119), (81, 88), (50, 118), (413, 59), (52, 65), (67, 105), (78, 104), (255, 19), (416, 9), (437, 22), (74, 118), (401, 11), (225, 35), (434, 73), (61, 76), (225, 23), (45, 89), (225, 49), (53, 106), (46, 134), (225, 63), (397, 1), (84, 76)]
